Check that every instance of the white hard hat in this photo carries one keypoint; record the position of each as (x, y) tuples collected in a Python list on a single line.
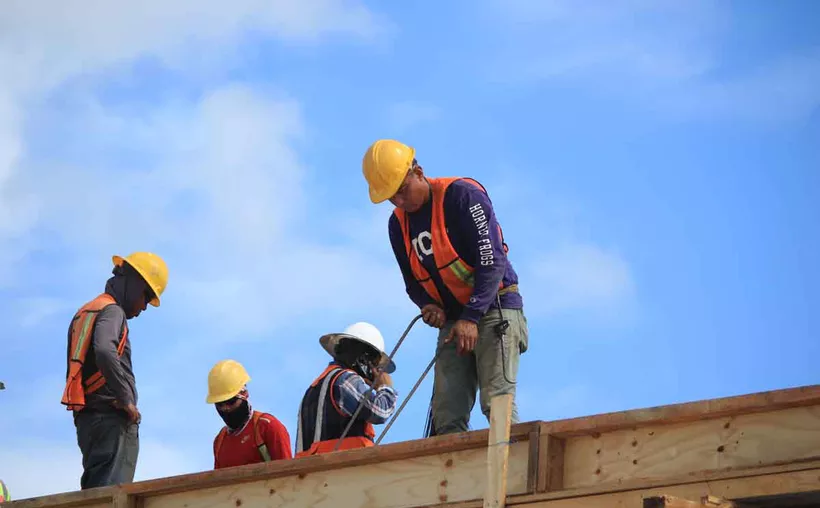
[(363, 332)]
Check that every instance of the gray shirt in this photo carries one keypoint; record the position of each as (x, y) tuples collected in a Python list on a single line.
[(117, 370)]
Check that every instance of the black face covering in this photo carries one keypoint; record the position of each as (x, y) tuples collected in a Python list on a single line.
[(357, 356), (126, 286), (238, 417)]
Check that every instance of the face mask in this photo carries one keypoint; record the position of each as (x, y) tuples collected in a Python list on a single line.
[(238, 417)]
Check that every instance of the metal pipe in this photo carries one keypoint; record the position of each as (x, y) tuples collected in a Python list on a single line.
[(361, 402), (415, 387)]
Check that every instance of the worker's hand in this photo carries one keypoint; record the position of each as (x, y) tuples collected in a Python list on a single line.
[(433, 315), (382, 379), (466, 334), (134, 415)]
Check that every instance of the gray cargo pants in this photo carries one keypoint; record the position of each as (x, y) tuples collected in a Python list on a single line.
[(486, 369), (110, 445)]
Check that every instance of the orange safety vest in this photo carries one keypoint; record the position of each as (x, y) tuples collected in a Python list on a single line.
[(455, 273), (81, 329), (257, 438), (318, 445)]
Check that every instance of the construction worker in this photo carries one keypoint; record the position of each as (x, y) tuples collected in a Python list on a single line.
[(358, 374), (453, 258), (248, 436), (100, 388), (4, 492)]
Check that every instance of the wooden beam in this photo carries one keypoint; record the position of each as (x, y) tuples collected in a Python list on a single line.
[(756, 483), (678, 502), (688, 412), (534, 441), (550, 461), (406, 450), (581, 458), (498, 449), (101, 497), (435, 470), (421, 481), (664, 451)]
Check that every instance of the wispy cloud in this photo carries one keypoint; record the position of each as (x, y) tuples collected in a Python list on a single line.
[(664, 57), (561, 275), (212, 180), (654, 42), (405, 115), (583, 278), (41, 50), (220, 195), (784, 90)]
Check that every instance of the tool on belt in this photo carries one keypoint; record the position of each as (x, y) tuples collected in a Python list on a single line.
[(361, 402)]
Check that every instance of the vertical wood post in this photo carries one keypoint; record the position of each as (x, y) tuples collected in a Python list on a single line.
[(498, 451)]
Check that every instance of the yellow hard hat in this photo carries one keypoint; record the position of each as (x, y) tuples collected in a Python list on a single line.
[(225, 380), (151, 267), (384, 166)]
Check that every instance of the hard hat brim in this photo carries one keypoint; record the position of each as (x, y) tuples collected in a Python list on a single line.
[(330, 340), (222, 397), (119, 260), (376, 197)]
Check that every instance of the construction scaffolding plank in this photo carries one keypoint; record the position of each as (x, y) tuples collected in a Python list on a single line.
[(764, 444)]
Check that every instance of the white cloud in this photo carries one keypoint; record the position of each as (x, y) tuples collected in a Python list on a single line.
[(662, 56), (34, 310), (222, 194), (582, 277), (655, 42), (224, 203), (45, 46), (405, 115), (784, 90), (214, 183)]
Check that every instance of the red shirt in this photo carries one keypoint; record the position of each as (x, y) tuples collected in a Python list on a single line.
[(240, 449)]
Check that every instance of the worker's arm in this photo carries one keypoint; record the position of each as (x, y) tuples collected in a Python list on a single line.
[(470, 210), (414, 290), (276, 438), (107, 332), (350, 388)]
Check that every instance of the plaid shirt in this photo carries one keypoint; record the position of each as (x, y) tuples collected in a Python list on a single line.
[(350, 388)]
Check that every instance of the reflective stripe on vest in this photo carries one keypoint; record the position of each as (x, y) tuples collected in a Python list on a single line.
[(80, 341), (318, 444), (454, 271), (320, 410), (259, 442)]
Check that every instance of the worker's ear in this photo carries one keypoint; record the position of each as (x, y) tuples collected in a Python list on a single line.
[(417, 170)]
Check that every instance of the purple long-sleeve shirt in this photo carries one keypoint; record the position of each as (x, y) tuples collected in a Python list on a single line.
[(473, 230)]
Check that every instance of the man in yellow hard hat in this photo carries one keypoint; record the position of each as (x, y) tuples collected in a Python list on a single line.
[(453, 258), (248, 436), (100, 388)]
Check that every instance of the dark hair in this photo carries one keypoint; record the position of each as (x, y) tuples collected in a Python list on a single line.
[(351, 350), (358, 356)]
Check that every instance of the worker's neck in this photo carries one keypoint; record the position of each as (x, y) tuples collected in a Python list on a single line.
[(428, 192)]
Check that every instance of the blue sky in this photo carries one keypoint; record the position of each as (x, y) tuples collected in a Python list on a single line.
[(655, 166)]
